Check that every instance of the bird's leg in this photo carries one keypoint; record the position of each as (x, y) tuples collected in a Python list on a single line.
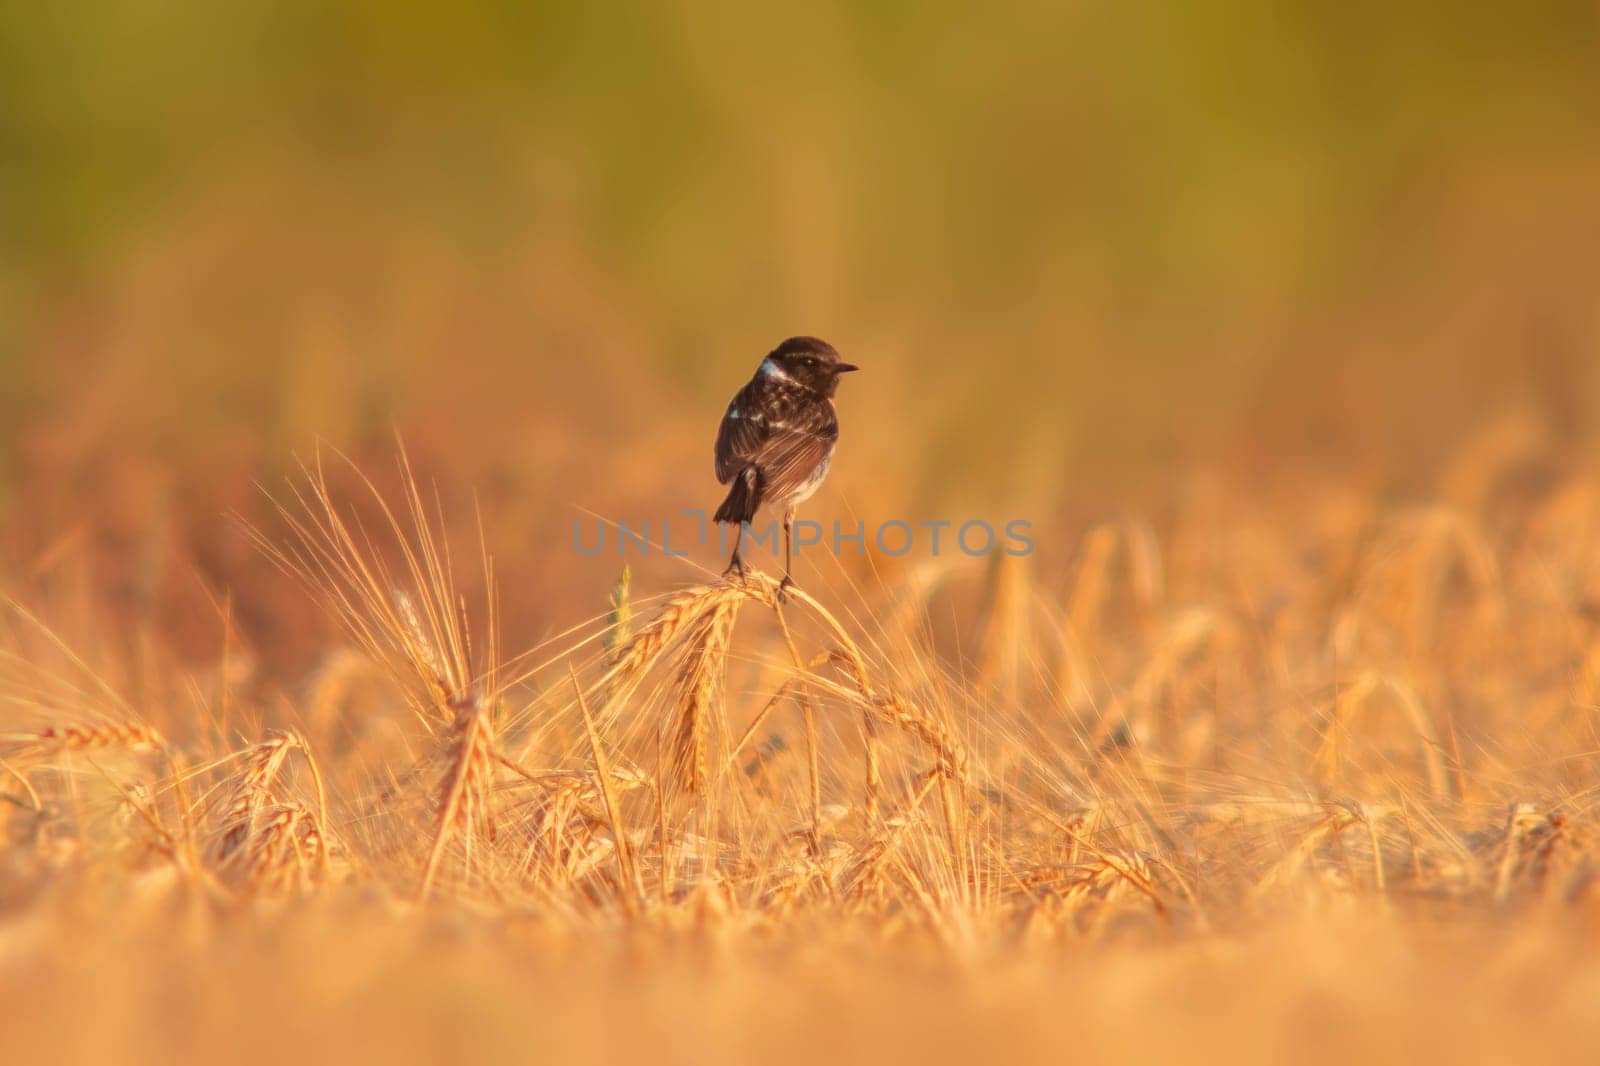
[(788, 554), (736, 564)]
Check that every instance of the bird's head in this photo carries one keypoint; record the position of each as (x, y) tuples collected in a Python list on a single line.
[(808, 362)]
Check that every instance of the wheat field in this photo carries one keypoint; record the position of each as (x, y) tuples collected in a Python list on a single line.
[(332, 332), (1319, 788)]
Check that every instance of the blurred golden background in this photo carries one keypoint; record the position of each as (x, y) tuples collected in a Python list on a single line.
[(545, 244), (1280, 323), (1079, 251), (1120, 199)]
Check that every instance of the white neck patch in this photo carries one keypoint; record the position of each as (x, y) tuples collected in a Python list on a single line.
[(769, 369)]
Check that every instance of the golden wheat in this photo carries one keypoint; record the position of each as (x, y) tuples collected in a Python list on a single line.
[(78, 736), (462, 797), (700, 686), (1197, 767)]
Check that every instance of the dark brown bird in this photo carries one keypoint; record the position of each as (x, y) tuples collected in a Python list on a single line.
[(776, 440)]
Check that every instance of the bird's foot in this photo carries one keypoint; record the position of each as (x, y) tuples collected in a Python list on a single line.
[(783, 588), (735, 571)]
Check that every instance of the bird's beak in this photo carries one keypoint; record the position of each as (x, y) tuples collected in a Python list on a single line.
[(845, 368)]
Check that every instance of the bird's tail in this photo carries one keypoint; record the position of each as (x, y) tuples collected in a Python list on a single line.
[(744, 497)]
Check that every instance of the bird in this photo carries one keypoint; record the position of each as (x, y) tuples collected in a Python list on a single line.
[(776, 440)]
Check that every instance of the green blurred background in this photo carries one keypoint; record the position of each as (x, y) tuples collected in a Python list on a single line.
[(546, 242)]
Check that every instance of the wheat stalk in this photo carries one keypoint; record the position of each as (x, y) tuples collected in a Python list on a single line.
[(675, 618), (462, 796), (700, 688), (602, 769), (79, 736)]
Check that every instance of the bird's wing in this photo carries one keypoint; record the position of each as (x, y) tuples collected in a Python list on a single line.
[(798, 441), (740, 439), (789, 460), (784, 433)]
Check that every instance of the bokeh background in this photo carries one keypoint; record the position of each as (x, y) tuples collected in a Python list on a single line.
[(1081, 249), (1280, 322)]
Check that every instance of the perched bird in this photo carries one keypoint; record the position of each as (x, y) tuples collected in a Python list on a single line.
[(776, 440)]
